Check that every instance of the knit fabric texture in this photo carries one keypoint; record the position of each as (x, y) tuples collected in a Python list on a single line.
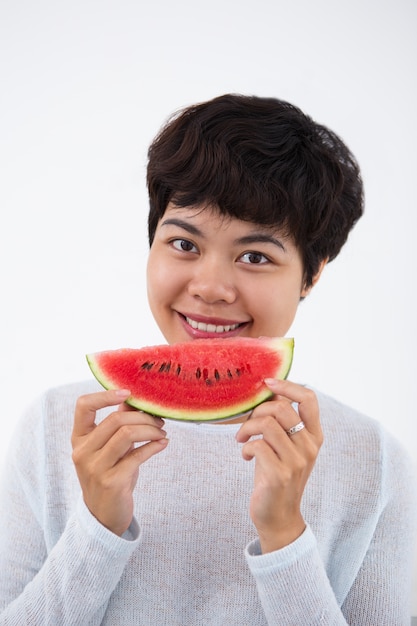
[(191, 555)]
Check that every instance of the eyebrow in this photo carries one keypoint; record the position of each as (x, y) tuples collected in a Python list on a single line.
[(261, 238), (193, 230), (249, 239)]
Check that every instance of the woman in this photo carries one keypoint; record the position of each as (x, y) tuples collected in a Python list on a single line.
[(249, 199)]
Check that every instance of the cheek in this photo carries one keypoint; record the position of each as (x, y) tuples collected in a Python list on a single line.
[(154, 279), (275, 312), (161, 281)]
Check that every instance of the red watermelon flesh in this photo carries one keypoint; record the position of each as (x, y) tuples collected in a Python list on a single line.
[(199, 380)]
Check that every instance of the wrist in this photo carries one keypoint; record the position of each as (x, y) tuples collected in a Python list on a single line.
[(275, 539)]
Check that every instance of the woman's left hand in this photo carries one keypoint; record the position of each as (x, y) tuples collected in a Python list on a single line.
[(283, 462)]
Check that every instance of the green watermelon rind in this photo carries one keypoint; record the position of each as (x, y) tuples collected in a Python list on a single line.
[(283, 345)]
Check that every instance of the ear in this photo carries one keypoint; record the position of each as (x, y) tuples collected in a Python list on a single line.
[(306, 290)]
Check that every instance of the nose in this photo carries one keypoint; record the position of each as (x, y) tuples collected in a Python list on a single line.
[(212, 282)]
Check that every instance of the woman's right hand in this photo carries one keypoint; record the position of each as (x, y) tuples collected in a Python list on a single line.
[(106, 458)]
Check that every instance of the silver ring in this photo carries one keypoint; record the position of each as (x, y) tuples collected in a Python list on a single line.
[(296, 429)]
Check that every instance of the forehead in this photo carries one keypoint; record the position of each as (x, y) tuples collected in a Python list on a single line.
[(203, 219)]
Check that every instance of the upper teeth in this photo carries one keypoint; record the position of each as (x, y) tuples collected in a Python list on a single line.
[(210, 328)]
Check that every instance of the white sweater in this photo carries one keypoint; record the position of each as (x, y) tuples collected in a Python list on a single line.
[(191, 558)]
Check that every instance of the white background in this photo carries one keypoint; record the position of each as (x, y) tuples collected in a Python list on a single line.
[(85, 86)]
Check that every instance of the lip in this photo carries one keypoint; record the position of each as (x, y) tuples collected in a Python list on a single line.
[(196, 333)]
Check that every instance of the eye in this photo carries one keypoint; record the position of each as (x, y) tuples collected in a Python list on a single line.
[(183, 245), (254, 258)]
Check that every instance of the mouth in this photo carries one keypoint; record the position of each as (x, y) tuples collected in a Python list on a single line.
[(211, 328), (198, 327)]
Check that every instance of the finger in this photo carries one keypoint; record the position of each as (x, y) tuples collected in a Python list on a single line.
[(259, 449), (87, 406), (121, 443), (284, 412), (265, 431), (308, 408), (122, 419), (260, 425), (140, 455), (282, 409), (299, 451), (279, 413)]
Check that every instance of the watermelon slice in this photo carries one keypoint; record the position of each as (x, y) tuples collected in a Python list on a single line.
[(200, 380)]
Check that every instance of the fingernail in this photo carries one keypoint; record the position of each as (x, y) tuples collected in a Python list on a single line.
[(271, 382), (122, 393)]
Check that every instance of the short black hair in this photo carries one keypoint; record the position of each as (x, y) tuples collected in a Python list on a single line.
[(260, 160)]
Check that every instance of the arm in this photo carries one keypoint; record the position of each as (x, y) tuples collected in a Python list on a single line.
[(380, 592), (71, 584), (292, 582), (293, 585), (50, 576), (106, 457), (283, 463)]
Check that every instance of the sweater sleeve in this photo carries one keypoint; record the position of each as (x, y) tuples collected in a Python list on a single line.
[(69, 581), (381, 591), (292, 582)]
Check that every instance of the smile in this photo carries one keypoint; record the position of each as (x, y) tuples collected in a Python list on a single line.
[(211, 328)]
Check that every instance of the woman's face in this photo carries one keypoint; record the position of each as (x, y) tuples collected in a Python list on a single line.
[(211, 276)]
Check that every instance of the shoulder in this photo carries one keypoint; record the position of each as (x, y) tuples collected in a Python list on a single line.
[(344, 423), (39, 453), (352, 437), (56, 402), (48, 417), (346, 426), (68, 394)]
